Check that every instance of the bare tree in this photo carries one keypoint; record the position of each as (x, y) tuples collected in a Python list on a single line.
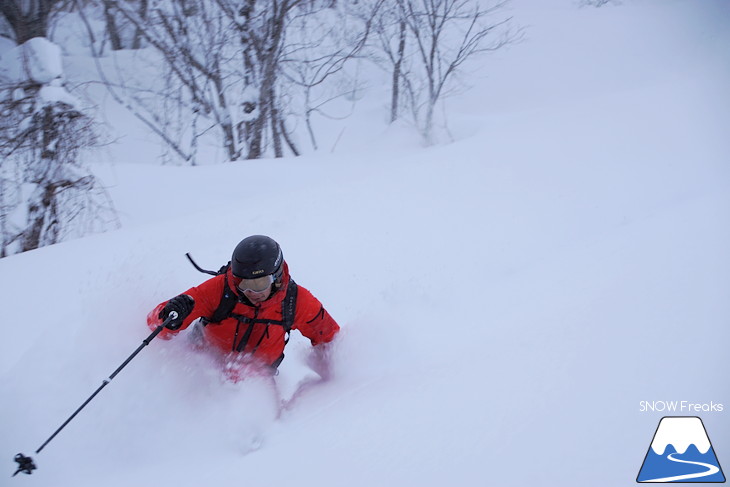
[(137, 39), (222, 58), (397, 67), (231, 65), (326, 40), (263, 31), (427, 42), (596, 3), (28, 18), (118, 30), (112, 28), (46, 193), (391, 36)]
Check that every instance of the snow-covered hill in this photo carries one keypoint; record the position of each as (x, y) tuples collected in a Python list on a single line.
[(506, 300)]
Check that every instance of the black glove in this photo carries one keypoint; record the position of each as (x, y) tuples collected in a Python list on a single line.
[(182, 305)]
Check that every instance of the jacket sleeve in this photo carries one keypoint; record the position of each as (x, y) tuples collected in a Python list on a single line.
[(312, 320), (206, 297)]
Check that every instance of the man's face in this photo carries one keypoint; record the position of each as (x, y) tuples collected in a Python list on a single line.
[(257, 297)]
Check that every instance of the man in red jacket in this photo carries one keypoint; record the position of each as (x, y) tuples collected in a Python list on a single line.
[(247, 312)]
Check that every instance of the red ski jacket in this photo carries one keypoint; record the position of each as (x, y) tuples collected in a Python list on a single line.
[(263, 341)]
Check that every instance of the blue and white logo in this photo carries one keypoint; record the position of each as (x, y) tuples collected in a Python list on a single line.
[(681, 452)]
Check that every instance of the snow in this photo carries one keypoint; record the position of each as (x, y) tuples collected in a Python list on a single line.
[(43, 60), (506, 300), (688, 430), (38, 60), (57, 94)]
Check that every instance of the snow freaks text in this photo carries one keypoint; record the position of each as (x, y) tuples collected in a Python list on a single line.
[(680, 407)]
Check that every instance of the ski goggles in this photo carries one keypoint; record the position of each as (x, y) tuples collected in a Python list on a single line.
[(257, 285)]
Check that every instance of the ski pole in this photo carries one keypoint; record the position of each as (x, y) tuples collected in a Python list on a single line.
[(26, 464)]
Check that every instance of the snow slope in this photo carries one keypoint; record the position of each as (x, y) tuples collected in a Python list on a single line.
[(506, 300)]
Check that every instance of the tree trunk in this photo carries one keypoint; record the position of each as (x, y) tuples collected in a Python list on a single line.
[(255, 146), (288, 140), (266, 106), (275, 134), (111, 27), (36, 220), (268, 59), (396, 73), (27, 19), (40, 200), (428, 121), (229, 141), (137, 42), (229, 133)]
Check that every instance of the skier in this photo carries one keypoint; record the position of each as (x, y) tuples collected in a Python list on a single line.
[(247, 311)]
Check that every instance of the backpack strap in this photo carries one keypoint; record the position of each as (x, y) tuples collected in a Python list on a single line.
[(228, 303), (228, 299), (289, 307), (225, 306)]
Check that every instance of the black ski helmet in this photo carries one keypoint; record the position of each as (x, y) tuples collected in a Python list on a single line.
[(257, 256)]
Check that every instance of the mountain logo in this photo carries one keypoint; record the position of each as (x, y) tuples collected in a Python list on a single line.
[(681, 452)]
